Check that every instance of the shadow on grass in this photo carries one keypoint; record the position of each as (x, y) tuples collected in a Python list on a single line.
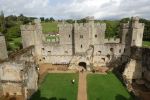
[(37, 96), (119, 97)]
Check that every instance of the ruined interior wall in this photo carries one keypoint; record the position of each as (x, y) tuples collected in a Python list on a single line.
[(146, 65), (3, 49), (12, 89), (117, 49), (56, 53), (32, 77), (10, 71)]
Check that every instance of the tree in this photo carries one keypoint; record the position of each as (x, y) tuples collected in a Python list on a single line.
[(124, 20), (52, 19), (42, 18), (2, 23), (46, 20), (70, 21)]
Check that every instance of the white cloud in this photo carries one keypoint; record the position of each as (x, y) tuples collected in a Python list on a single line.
[(77, 8)]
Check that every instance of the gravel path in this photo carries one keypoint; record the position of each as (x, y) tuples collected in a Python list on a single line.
[(82, 92)]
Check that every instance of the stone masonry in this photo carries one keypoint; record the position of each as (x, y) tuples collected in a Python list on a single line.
[(3, 49), (82, 43)]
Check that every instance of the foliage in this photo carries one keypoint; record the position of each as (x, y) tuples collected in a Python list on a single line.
[(70, 21), (57, 87), (112, 29), (106, 87), (83, 20), (42, 19), (146, 36)]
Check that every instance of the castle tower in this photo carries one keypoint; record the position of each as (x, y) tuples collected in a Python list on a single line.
[(137, 32), (32, 36), (133, 68), (3, 49)]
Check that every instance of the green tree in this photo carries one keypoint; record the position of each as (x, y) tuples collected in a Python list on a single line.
[(42, 18), (51, 19), (2, 23), (46, 20)]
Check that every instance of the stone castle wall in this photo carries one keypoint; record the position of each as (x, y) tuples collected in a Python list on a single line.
[(3, 48), (76, 39)]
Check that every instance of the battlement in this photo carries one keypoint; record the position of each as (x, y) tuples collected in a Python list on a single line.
[(135, 18), (65, 25), (90, 18), (139, 25)]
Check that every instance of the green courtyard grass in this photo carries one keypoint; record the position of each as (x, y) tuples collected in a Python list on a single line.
[(106, 87), (57, 87)]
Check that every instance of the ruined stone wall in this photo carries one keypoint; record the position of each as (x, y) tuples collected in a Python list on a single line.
[(146, 65), (51, 53), (3, 49), (18, 78)]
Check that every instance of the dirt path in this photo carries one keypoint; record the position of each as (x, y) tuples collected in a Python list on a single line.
[(82, 92)]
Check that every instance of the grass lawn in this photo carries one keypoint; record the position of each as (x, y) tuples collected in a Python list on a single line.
[(146, 43), (57, 87), (49, 27), (106, 87)]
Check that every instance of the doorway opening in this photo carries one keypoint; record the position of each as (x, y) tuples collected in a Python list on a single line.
[(82, 64)]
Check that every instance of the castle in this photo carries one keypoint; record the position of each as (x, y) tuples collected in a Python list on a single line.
[(76, 45), (82, 43)]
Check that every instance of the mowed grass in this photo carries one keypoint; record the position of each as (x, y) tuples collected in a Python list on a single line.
[(106, 87), (58, 87), (49, 27), (146, 43)]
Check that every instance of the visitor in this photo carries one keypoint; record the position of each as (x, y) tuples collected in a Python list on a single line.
[(73, 81), (82, 70)]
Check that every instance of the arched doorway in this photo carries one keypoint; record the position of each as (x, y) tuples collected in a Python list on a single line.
[(82, 64)]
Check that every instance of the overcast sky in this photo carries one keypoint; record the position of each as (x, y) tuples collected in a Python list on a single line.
[(64, 9)]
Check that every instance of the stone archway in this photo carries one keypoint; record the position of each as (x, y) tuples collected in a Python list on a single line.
[(83, 64)]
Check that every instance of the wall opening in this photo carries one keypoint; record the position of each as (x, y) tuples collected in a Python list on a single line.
[(112, 49), (99, 52), (120, 51), (103, 59), (82, 64), (108, 56), (95, 35), (81, 36), (81, 45), (69, 35)]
